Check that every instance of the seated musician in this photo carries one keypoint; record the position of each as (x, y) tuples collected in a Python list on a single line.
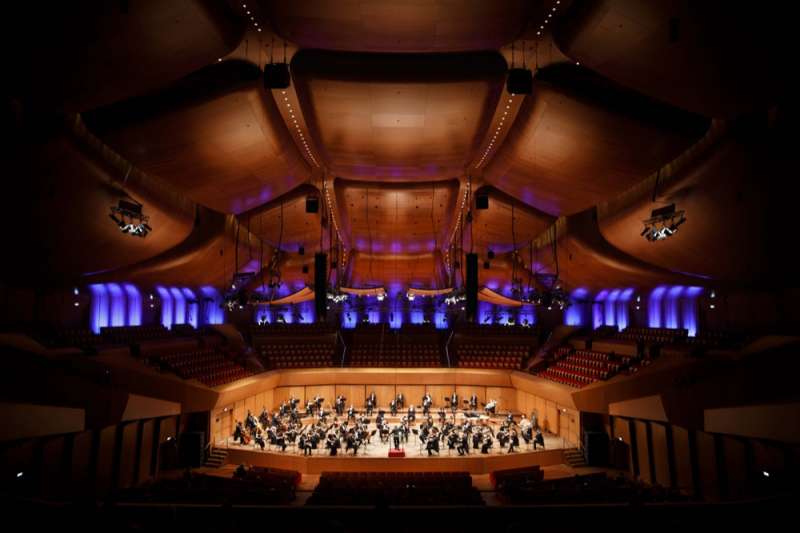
[(463, 444), (393, 407), (332, 443), (432, 445), (412, 413), (513, 441), (476, 440), (487, 443), (491, 406), (401, 401), (473, 401), (259, 439)]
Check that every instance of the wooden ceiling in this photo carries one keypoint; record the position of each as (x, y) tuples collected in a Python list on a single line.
[(397, 218), (716, 58), (396, 99), (579, 140), (398, 117), (217, 135), (82, 55), (392, 26)]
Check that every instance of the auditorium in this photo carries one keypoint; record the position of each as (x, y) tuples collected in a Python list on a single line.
[(399, 265)]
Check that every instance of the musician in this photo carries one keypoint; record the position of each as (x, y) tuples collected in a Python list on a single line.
[(502, 437), (263, 418), (396, 433), (351, 413), (454, 402), (539, 439), (513, 441), (525, 429), (393, 407), (318, 401), (238, 432), (259, 440), (405, 429), (310, 408), (510, 419), (250, 422), (442, 415), (491, 406), (412, 413), (370, 405), (427, 401), (487, 443), (353, 442), (401, 400), (340, 404), (332, 443), (463, 444), (476, 440), (372, 399), (432, 445), (473, 401), (534, 420)]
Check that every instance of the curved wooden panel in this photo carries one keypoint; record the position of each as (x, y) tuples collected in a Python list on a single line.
[(400, 218), (580, 140), (83, 55), (68, 187), (391, 26), (397, 117), (217, 135), (735, 222), (493, 228), (396, 272), (682, 53)]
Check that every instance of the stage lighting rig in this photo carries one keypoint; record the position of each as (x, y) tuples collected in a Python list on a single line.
[(130, 219), (663, 223)]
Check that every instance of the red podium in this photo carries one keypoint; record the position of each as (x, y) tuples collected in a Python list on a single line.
[(394, 452)]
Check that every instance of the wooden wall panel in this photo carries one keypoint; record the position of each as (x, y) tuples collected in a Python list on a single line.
[(438, 394), (465, 391), (735, 452), (127, 459), (383, 394), (354, 394), (105, 459), (146, 452), (506, 398), (683, 460), (328, 392), (660, 454), (622, 431), (81, 462), (239, 412), (707, 465), (413, 394), (550, 421), (642, 450)]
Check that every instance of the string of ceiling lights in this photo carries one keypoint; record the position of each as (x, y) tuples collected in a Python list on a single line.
[(276, 76), (514, 89)]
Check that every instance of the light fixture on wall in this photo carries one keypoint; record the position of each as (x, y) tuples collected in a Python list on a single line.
[(663, 223), (130, 219)]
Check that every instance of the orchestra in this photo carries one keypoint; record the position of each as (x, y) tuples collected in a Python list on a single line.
[(349, 430)]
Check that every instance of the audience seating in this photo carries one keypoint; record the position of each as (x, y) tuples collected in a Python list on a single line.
[(577, 368), (287, 354), (209, 366), (652, 335), (395, 355), (475, 355), (395, 488)]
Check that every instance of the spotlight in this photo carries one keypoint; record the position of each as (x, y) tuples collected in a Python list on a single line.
[(129, 218), (662, 223), (381, 297)]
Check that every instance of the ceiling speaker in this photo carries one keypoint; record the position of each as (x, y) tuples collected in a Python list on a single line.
[(276, 76), (312, 204), (520, 81), (481, 200)]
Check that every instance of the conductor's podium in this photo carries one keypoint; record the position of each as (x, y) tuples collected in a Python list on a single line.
[(394, 452)]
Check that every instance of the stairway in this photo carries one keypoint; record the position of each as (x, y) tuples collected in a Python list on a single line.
[(216, 458), (574, 457)]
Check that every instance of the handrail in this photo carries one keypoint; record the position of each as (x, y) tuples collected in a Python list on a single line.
[(344, 345)]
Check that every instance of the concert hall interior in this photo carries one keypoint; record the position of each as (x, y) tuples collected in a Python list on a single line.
[(358, 264)]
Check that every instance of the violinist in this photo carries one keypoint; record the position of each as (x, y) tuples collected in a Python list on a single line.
[(454, 402), (412, 413), (393, 407), (426, 403), (513, 441)]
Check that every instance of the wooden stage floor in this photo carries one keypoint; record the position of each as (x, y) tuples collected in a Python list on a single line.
[(374, 457)]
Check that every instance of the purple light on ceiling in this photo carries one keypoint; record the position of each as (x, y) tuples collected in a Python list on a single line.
[(623, 308)]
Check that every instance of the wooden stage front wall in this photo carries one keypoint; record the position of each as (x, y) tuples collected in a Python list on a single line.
[(514, 391), (318, 464)]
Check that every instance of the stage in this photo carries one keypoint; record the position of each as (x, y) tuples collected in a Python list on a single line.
[(374, 457)]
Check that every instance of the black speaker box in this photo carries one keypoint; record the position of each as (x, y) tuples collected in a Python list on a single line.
[(520, 81), (190, 448), (276, 76), (482, 201), (312, 204), (320, 285), (472, 286)]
